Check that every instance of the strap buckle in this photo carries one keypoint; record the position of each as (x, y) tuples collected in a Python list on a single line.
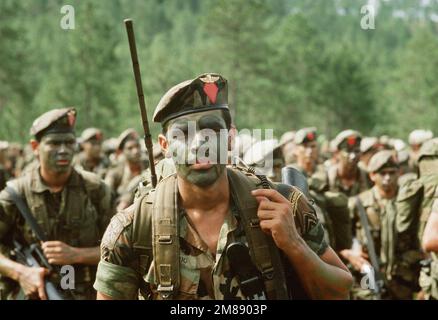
[(165, 239), (165, 291), (268, 274)]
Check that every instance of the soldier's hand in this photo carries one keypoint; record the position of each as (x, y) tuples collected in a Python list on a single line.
[(59, 253), (276, 217), (32, 281), (357, 259)]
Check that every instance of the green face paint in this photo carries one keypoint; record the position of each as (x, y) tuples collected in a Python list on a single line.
[(198, 144), (56, 151)]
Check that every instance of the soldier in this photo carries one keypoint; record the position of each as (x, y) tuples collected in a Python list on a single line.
[(331, 207), (345, 175), (72, 207), (129, 147), (91, 158), (397, 262), (201, 210), (416, 140), (414, 206)]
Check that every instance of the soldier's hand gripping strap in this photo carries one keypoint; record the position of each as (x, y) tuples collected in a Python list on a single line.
[(266, 255), (166, 237)]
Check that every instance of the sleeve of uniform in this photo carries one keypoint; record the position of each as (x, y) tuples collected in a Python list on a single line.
[(106, 207), (116, 273), (308, 225)]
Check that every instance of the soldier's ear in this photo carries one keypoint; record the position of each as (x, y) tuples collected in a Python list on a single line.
[(164, 144), (35, 145), (373, 176)]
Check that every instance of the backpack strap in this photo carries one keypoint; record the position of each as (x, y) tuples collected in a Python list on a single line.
[(166, 237), (264, 251)]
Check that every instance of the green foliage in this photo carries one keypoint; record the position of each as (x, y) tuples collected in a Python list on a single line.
[(290, 63)]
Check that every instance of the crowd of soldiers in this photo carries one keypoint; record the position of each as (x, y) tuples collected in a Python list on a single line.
[(357, 187)]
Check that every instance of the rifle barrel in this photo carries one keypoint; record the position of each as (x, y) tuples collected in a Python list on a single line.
[(137, 74)]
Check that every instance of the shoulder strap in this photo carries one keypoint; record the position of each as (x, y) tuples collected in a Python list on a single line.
[(166, 237), (265, 253), (23, 208)]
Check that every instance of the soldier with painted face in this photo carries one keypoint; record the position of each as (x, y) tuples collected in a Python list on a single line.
[(345, 175), (398, 262), (192, 217), (91, 158), (331, 207), (72, 207), (414, 205), (132, 165)]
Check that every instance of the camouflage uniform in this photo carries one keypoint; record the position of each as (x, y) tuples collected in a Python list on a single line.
[(398, 262), (331, 207), (414, 205), (346, 141), (78, 216), (203, 276), (127, 264)]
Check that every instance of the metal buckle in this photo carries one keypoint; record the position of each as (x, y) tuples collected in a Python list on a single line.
[(165, 291), (166, 239), (268, 274)]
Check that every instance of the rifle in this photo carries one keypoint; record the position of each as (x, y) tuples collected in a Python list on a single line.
[(140, 96), (294, 177), (32, 255), (378, 278)]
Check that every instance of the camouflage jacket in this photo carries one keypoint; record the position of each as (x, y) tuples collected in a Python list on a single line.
[(399, 264), (78, 216), (331, 209), (203, 274)]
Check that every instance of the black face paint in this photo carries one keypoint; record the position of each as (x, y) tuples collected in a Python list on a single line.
[(56, 151), (197, 147)]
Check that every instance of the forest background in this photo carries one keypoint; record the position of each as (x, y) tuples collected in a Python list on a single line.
[(290, 63)]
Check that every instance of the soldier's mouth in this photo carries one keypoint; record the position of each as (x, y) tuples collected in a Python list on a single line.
[(202, 164), (63, 162)]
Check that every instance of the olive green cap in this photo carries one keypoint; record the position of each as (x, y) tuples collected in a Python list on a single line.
[(382, 159), (429, 149), (125, 136), (91, 133), (347, 140), (206, 92), (54, 121), (305, 135)]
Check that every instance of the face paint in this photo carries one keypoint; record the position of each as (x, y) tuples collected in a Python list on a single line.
[(56, 151), (197, 148)]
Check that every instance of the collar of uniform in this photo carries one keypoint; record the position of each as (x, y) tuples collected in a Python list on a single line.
[(191, 236), (39, 186)]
